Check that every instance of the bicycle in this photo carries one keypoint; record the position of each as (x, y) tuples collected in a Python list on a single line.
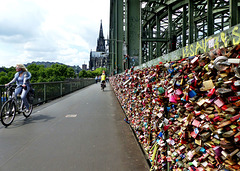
[(12, 106), (103, 85)]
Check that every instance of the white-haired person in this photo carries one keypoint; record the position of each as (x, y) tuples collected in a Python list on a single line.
[(22, 80)]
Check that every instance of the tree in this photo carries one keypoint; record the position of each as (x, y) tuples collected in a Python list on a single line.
[(83, 74), (42, 79), (70, 73), (10, 75), (11, 69), (56, 72), (59, 70), (3, 78), (3, 73), (100, 70), (34, 67), (90, 74), (36, 71)]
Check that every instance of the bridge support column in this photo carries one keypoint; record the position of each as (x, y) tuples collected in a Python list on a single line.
[(184, 32), (119, 36), (170, 30), (116, 36), (190, 21), (158, 50), (210, 22), (233, 7), (134, 32)]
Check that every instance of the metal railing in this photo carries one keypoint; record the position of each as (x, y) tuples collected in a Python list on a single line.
[(51, 90)]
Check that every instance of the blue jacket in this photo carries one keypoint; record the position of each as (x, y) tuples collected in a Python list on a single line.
[(26, 79)]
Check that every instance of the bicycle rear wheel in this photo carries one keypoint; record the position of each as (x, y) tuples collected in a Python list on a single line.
[(8, 113), (29, 112)]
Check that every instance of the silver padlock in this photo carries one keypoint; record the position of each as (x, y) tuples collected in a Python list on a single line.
[(237, 83)]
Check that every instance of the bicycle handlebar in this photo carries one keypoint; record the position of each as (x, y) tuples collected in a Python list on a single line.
[(10, 86)]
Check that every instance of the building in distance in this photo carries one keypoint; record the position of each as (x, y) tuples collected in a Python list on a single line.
[(84, 66), (99, 58)]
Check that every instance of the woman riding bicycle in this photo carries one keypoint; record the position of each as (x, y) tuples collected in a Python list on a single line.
[(22, 79)]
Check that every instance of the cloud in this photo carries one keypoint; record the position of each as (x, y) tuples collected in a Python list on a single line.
[(21, 21), (60, 31)]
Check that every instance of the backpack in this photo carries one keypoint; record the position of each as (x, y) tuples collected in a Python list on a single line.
[(31, 95)]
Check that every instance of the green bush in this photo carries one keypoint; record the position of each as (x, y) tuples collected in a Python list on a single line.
[(55, 72)]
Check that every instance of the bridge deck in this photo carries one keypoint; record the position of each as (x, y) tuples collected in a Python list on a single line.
[(81, 131)]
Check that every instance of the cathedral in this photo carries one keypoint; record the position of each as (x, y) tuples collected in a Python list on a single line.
[(99, 57)]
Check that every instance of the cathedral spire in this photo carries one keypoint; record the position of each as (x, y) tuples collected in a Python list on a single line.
[(101, 30), (101, 40)]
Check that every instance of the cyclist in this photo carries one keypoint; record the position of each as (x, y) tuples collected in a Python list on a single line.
[(22, 80), (103, 79)]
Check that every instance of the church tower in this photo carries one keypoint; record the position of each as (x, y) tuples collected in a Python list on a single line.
[(101, 40), (99, 58)]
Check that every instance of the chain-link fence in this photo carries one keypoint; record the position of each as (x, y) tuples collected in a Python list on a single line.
[(49, 91)]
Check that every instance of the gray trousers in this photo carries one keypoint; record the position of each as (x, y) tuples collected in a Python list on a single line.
[(23, 95)]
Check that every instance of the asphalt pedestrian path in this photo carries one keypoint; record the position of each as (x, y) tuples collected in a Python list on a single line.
[(82, 131)]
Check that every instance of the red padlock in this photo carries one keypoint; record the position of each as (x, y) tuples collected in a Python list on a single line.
[(237, 139), (224, 107), (217, 118), (234, 118), (233, 98), (234, 88), (211, 92)]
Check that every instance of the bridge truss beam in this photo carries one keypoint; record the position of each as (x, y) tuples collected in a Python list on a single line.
[(147, 29)]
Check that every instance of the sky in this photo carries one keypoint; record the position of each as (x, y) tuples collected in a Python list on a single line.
[(62, 31)]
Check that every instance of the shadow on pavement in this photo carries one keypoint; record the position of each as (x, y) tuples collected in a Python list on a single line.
[(18, 122), (107, 90), (37, 118)]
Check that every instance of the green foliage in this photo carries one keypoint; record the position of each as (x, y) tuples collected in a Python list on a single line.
[(3, 77), (70, 73), (91, 74), (83, 74), (11, 69), (34, 67), (6, 77), (56, 72), (100, 70), (3, 74)]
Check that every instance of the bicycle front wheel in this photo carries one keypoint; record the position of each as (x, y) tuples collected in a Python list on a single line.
[(8, 113), (27, 113)]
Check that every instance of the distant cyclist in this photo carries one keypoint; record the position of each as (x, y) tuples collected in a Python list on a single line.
[(103, 80), (22, 80)]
